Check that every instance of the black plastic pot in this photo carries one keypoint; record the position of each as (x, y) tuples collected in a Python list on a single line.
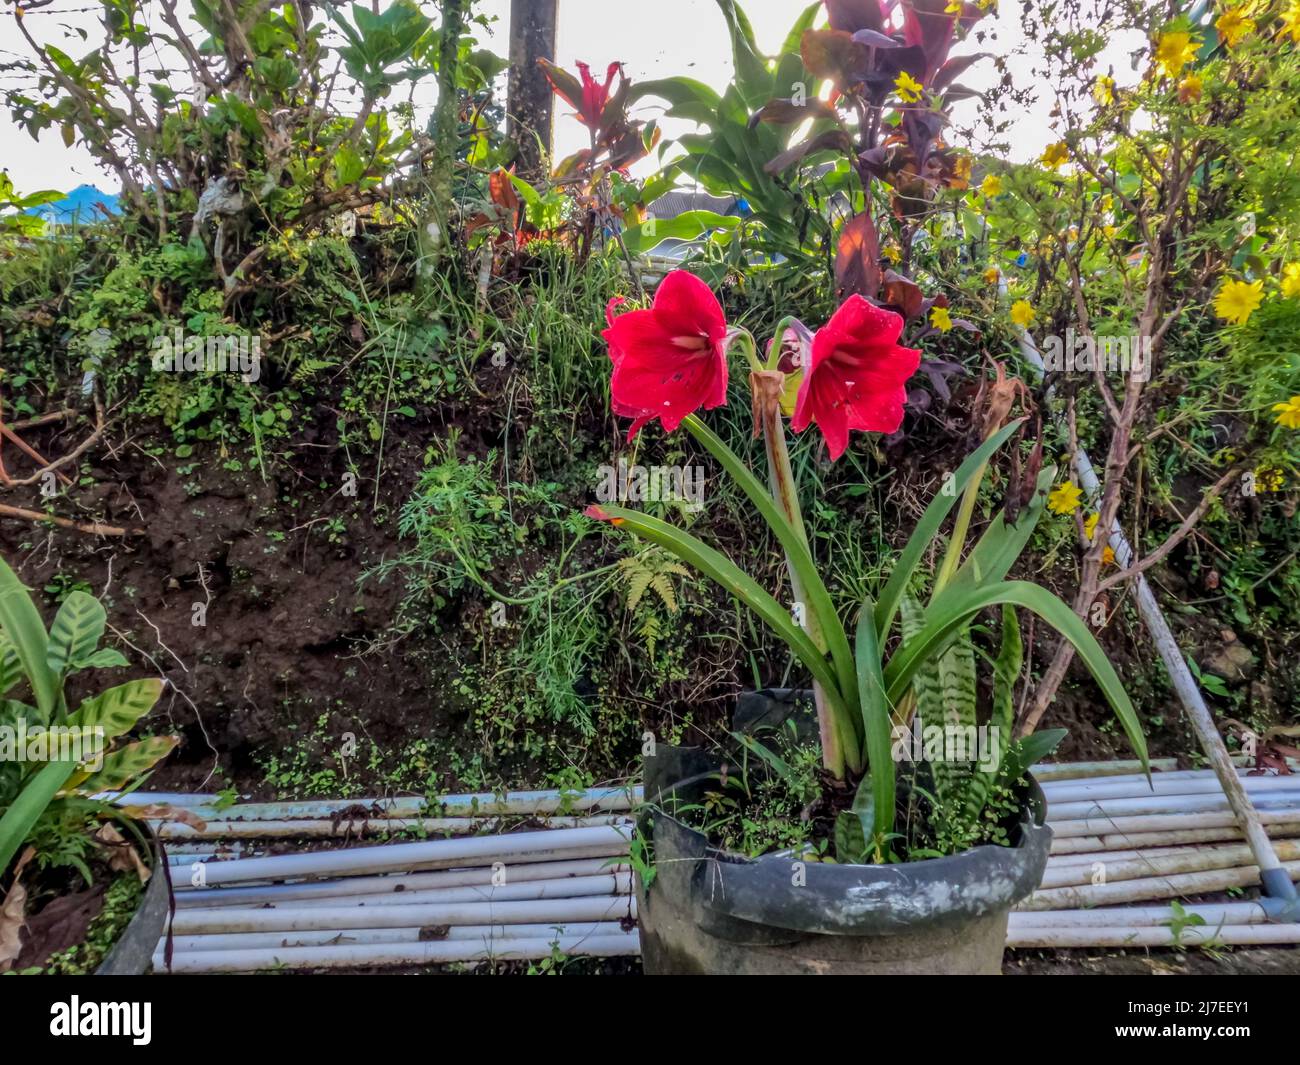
[(713, 911), (133, 953)]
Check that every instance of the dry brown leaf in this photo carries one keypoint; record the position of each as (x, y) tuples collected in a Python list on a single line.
[(13, 916), (122, 855)]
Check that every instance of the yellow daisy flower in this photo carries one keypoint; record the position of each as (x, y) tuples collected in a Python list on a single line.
[(1064, 498), (908, 88), (1291, 280), (1108, 555), (1236, 301), (1103, 90), (1233, 25), (1288, 413), (940, 319), (1022, 313), (1174, 51), (1291, 22), (1110, 231), (991, 275), (1055, 155), (1090, 526), (1189, 89), (991, 186)]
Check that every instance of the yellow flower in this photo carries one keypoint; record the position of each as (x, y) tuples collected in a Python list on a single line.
[(907, 87), (1291, 279), (953, 8), (1103, 90), (987, 5), (1064, 498), (1090, 526), (1174, 51), (1110, 231), (991, 186), (1022, 313), (1055, 155), (1233, 25), (1108, 555), (1269, 479), (991, 275), (1189, 89), (940, 319), (1237, 301), (1291, 22), (1288, 413)]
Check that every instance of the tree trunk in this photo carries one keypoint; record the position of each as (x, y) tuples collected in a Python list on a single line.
[(435, 230), (529, 103)]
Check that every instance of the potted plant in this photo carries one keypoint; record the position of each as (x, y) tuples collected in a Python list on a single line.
[(76, 886), (924, 849)]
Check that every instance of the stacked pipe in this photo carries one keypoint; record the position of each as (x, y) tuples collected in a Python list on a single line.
[(1120, 840), (487, 897)]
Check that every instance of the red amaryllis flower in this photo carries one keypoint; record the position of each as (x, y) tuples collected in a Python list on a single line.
[(589, 97), (669, 360), (855, 375)]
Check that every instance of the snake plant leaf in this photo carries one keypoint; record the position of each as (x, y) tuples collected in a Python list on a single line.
[(955, 608)]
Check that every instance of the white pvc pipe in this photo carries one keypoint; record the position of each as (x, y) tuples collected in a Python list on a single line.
[(359, 827), (1067, 861), (363, 886), (1121, 936), (1105, 826), (1212, 913), (565, 888), (1166, 804), (391, 857), (353, 936), (1206, 785), (1210, 858), (1050, 786), (596, 908), (469, 804), (1159, 887), (368, 956), (1179, 837), (1079, 770)]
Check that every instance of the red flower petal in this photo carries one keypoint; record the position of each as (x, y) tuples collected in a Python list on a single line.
[(856, 375)]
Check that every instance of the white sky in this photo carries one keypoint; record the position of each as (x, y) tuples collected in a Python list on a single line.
[(654, 40)]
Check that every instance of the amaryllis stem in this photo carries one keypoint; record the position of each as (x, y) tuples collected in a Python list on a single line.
[(838, 738)]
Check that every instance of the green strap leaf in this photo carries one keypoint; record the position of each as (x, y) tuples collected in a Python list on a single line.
[(27, 808), (928, 528), (796, 550), (22, 624), (956, 607), (76, 631), (991, 559), (877, 725), (694, 552)]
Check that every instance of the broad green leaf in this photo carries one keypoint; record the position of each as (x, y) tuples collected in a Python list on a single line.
[(11, 669), (900, 578), (26, 810), (1029, 750), (348, 165), (123, 766), (689, 225), (117, 710), (105, 658), (75, 632), (22, 623)]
